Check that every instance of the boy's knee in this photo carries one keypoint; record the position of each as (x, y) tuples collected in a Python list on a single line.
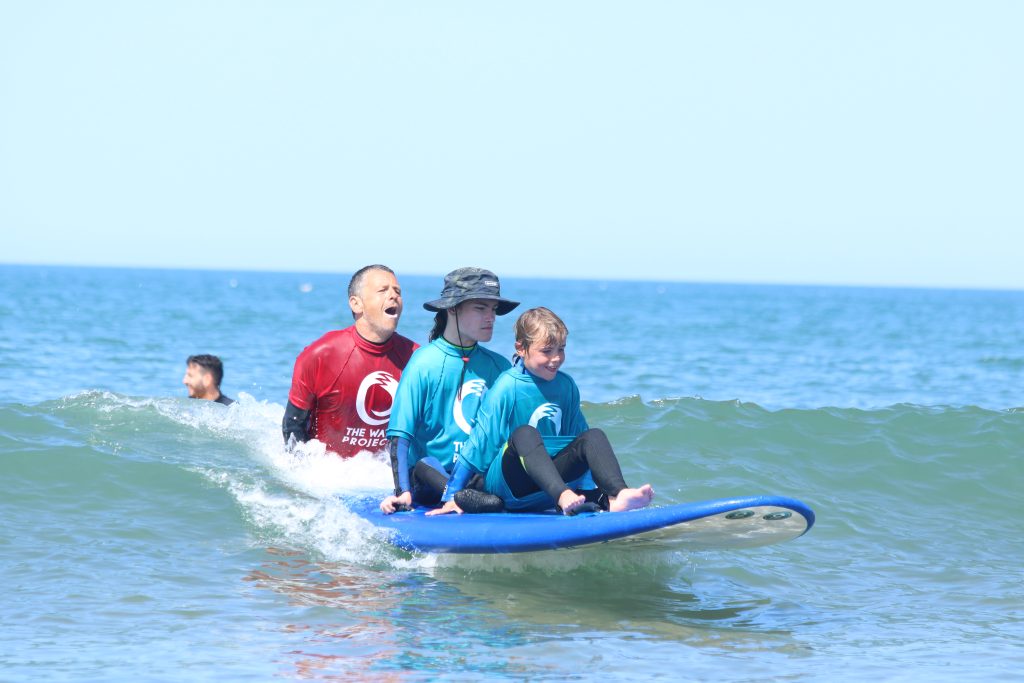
[(596, 437), (526, 435)]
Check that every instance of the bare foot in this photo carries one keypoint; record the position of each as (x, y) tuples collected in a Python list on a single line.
[(631, 499), (570, 500)]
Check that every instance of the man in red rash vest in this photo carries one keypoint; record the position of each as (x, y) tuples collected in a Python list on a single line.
[(344, 382)]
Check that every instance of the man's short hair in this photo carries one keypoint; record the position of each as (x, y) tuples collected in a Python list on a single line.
[(209, 363), (356, 283)]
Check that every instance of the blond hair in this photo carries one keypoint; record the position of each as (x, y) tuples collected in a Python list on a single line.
[(540, 325)]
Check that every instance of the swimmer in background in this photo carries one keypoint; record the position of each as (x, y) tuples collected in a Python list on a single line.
[(532, 412), (203, 375), (442, 388)]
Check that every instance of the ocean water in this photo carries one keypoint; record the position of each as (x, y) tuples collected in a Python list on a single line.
[(146, 536)]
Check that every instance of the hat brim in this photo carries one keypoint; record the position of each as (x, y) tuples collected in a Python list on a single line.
[(443, 304)]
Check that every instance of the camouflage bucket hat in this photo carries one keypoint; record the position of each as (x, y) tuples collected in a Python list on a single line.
[(464, 284)]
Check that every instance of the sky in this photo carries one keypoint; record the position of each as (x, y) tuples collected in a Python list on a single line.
[(856, 143)]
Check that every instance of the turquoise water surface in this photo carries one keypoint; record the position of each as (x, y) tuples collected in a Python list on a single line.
[(147, 536)]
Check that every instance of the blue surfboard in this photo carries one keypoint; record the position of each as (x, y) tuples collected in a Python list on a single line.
[(722, 523)]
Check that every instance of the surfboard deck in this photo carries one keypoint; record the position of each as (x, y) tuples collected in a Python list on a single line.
[(722, 523)]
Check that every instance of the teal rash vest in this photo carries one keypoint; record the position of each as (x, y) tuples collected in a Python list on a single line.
[(431, 409), (517, 398)]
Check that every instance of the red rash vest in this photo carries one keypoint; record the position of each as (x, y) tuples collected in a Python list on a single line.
[(348, 385)]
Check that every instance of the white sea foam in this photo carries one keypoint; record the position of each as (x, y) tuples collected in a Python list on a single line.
[(296, 497)]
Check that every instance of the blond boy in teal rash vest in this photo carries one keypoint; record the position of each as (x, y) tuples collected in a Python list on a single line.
[(533, 410), (443, 386)]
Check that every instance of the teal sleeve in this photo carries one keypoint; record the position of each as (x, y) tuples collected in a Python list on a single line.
[(475, 458), (461, 474), (490, 432), (407, 408)]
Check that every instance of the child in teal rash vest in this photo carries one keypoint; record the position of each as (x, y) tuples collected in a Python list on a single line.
[(442, 387), (533, 410)]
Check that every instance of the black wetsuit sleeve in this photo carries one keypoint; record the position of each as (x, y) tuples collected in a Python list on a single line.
[(295, 424), (398, 449)]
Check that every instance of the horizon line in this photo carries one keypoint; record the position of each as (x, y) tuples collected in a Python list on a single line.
[(740, 283)]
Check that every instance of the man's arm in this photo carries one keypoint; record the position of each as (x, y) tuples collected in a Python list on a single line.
[(295, 424)]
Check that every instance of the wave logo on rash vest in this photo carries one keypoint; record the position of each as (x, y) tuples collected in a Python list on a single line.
[(472, 387), (547, 411), (380, 379)]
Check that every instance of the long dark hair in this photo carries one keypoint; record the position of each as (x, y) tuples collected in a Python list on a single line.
[(440, 322)]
